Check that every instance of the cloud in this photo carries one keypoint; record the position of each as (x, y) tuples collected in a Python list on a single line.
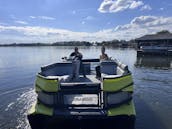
[(146, 22), (83, 22), (146, 7), (33, 17), (88, 18), (21, 22), (150, 21), (114, 6), (42, 17), (46, 18), (135, 4), (73, 12), (137, 27), (144, 25), (161, 9)]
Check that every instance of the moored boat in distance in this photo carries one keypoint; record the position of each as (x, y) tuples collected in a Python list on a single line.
[(86, 102)]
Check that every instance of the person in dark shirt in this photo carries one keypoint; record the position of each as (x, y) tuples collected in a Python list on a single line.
[(76, 57)]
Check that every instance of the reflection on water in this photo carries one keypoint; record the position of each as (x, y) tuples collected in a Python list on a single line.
[(154, 62)]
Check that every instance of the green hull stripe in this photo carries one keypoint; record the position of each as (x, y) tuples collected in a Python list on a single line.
[(38, 108), (128, 89), (41, 109), (32, 109), (116, 84), (37, 89), (125, 109), (46, 85)]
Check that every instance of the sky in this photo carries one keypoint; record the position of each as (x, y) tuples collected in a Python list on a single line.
[(47, 21)]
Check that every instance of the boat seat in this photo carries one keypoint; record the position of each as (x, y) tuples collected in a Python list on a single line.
[(60, 69), (108, 67), (57, 69)]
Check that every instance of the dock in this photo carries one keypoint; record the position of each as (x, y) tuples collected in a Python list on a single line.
[(159, 44)]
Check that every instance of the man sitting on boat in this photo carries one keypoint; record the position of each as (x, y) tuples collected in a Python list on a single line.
[(76, 57)]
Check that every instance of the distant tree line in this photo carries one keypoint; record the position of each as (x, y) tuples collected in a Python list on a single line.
[(113, 43), (118, 43), (72, 43), (65, 43)]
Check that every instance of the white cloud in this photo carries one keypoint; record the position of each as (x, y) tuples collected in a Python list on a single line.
[(46, 18), (114, 6), (33, 17), (150, 21), (89, 18), (137, 27), (144, 25), (146, 7), (135, 4), (105, 6), (161, 9), (83, 22), (21, 22), (142, 20), (42, 17), (73, 12)]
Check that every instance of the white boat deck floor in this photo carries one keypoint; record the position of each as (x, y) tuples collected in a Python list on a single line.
[(89, 79)]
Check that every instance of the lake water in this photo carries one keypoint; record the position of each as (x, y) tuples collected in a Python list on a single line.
[(19, 65)]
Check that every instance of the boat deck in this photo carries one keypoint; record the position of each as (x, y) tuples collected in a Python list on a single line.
[(89, 79)]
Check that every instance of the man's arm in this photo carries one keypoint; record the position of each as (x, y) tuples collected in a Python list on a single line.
[(107, 57), (72, 54), (80, 56)]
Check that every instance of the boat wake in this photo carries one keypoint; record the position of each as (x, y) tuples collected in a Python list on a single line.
[(14, 90), (17, 105)]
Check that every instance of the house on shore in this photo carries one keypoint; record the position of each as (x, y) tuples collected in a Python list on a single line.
[(155, 44)]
